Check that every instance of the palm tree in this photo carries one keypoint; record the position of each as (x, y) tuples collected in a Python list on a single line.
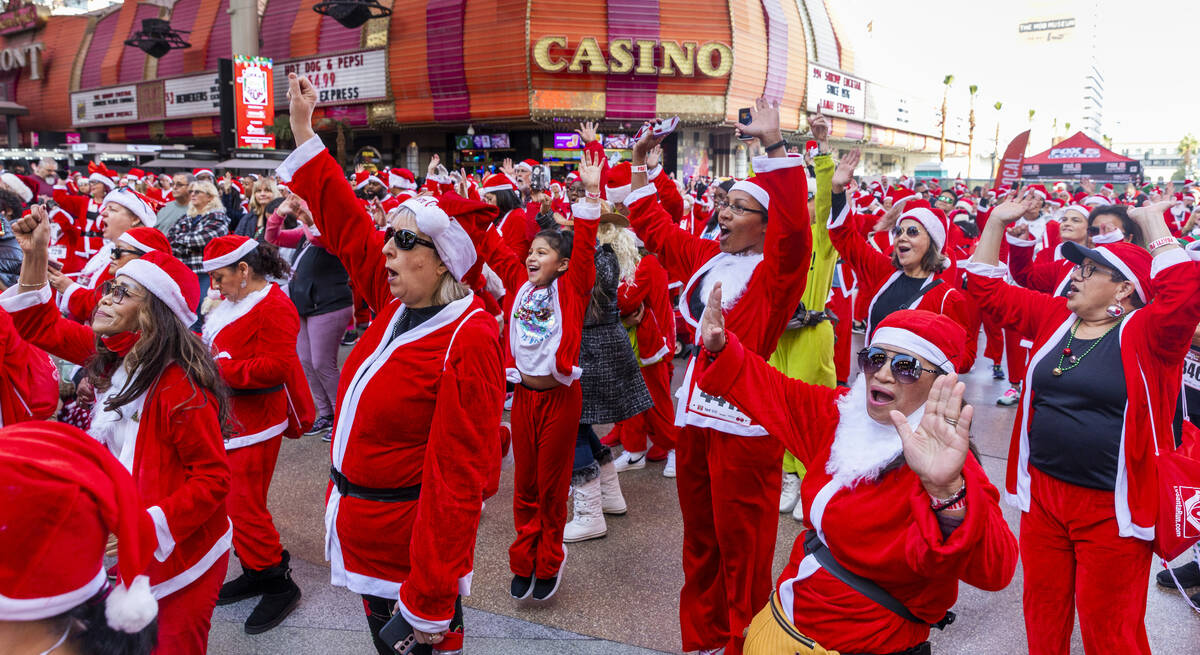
[(282, 129), (1031, 113), (948, 81), (344, 129), (974, 89), (996, 151), (1187, 150), (1106, 140)]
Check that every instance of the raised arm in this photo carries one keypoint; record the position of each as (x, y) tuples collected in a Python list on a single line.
[(1176, 307), (868, 263)]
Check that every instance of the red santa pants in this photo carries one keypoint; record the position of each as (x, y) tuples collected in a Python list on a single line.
[(842, 338), (729, 495), (544, 425), (657, 423), (255, 539), (1016, 356), (994, 349), (185, 616), (1073, 559)]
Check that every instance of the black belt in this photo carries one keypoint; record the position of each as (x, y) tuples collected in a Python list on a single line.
[(95, 235), (255, 392), (348, 488)]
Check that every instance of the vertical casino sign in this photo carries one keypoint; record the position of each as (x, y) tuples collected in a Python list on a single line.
[(254, 101)]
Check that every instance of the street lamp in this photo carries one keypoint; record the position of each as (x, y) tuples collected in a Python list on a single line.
[(157, 38), (352, 13)]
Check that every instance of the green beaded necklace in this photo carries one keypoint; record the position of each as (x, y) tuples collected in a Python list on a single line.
[(1072, 359)]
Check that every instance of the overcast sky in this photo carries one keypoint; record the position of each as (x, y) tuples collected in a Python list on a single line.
[(1146, 51)]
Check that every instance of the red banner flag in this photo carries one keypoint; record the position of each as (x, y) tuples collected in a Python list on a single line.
[(1010, 166)]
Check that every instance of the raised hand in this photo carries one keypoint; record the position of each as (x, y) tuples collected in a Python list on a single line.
[(33, 231), (653, 157), (712, 322), (431, 170), (845, 170), (819, 126), (586, 132), (591, 164), (648, 142), (764, 123), (1012, 209), (377, 213), (937, 449), (507, 168), (1148, 214), (892, 214), (302, 99), (1089, 185)]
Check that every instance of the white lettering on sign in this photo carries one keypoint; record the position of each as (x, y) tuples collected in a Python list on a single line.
[(115, 104), (1074, 153), (196, 95), (339, 79), (835, 93), (21, 56)]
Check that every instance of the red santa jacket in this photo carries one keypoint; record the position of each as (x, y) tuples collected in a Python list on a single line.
[(28, 379), (1047, 271), (401, 421), (65, 242), (668, 194), (569, 294), (771, 295), (1154, 341), (86, 213), (649, 291), (515, 232), (254, 343), (875, 273), (79, 301), (883, 530), (169, 439)]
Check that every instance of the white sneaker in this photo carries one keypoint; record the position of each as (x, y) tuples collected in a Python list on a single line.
[(628, 461), (789, 495), (588, 522), (669, 469), (1010, 397), (798, 512), (508, 402)]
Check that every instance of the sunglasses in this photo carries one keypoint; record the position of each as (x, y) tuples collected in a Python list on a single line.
[(947, 199), (119, 292), (406, 239), (906, 368), (118, 253), (912, 231)]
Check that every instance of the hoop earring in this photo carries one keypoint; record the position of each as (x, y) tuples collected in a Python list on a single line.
[(1114, 310)]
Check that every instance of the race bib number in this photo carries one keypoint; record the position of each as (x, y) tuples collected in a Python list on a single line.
[(716, 407), (58, 253), (1191, 370)]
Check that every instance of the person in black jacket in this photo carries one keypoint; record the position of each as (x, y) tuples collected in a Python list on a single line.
[(11, 208)]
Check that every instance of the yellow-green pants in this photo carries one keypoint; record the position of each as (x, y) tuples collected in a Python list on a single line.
[(805, 354)]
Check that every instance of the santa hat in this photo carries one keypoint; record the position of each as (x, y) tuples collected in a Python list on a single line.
[(140, 205), (453, 244), (226, 251), (168, 280), (936, 338), (571, 178), (17, 185), (933, 220), (758, 193), (899, 192), (1038, 189), (1095, 201), (864, 203), (135, 174), (146, 239), (526, 165), (365, 177), (1108, 185), (197, 172), (619, 184), (497, 182), (965, 205), (63, 494), (1134, 262), (401, 178), (98, 172), (1077, 208)]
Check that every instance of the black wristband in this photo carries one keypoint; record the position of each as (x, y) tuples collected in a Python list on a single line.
[(775, 146)]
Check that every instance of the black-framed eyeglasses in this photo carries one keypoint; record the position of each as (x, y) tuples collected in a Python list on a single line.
[(912, 231), (117, 253), (906, 368), (406, 239), (738, 210), (118, 292), (1086, 269)]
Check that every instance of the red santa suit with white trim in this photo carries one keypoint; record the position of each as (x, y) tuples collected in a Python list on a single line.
[(401, 426), (1106, 573), (864, 503), (170, 439), (728, 467)]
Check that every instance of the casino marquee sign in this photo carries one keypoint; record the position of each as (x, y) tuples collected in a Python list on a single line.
[(557, 54)]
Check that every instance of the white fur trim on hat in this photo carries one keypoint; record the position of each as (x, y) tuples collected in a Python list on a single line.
[(400, 182), (1079, 208), (755, 191), (157, 282), (617, 194), (522, 166), (1095, 201), (18, 187), (915, 344), (34, 609), (102, 179), (370, 179), (453, 244), (929, 220), (127, 199), (128, 238), (230, 258), (131, 609)]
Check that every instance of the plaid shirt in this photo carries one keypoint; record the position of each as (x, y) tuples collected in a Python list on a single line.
[(190, 234)]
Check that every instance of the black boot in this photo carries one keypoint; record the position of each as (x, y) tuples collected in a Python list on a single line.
[(247, 585), (280, 597)]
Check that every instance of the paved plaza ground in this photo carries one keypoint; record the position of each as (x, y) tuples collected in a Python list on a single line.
[(619, 594)]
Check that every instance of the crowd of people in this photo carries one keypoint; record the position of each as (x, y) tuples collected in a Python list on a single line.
[(177, 328)]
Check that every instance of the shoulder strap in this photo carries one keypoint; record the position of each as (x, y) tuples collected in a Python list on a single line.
[(815, 547), (920, 292)]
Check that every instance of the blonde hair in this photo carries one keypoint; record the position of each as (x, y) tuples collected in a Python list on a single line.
[(623, 245), (214, 202), (268, 184)]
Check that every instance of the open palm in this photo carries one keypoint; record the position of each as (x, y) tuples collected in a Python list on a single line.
[(937, 449)]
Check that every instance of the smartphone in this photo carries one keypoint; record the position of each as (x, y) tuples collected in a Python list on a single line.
[(398, 634), (666, 127), (745, 118)]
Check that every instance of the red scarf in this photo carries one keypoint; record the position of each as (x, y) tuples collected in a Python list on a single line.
[(121, 343)]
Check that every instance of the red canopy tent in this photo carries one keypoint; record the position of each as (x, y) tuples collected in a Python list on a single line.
[(1079, 156)]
